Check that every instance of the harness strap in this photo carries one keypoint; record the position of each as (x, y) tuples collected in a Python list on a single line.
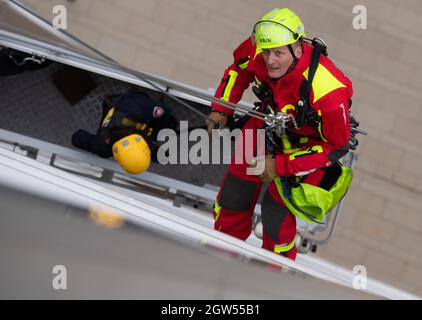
[(306, 86), (139, 126)]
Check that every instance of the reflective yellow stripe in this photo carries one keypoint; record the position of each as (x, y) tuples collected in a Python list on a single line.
[(324, 82), (312, 150), (244, 65), (257, 81), (217, 210), (280, 248), (108, 116), (288, 107), (258, 51), (320, 126), (233, 76), (303, 140), (287, 146), (141, 126)]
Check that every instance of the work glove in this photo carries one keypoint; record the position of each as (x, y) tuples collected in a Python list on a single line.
[(216, 120), (270, 172)]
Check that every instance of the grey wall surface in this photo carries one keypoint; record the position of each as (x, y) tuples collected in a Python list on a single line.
[(54, 251)]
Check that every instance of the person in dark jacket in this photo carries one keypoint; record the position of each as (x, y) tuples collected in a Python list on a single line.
[(128, 130)]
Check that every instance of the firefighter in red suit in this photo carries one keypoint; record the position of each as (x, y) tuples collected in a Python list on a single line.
[(276, 56)]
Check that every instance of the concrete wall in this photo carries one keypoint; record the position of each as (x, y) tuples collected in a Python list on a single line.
[(191, 41)]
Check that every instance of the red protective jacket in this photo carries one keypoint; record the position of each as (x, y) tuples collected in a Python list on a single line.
[(330, 96)]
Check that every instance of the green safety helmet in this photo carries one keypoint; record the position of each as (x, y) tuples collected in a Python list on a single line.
[(277, 28)]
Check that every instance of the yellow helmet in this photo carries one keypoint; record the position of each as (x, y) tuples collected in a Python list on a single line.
[(132, 153), (277, 28)]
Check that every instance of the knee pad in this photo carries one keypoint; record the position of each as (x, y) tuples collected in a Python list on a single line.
[(273, 215), (237, 194)]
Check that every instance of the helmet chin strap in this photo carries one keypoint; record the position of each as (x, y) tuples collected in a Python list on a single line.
[(293, 54), (295, 59)]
